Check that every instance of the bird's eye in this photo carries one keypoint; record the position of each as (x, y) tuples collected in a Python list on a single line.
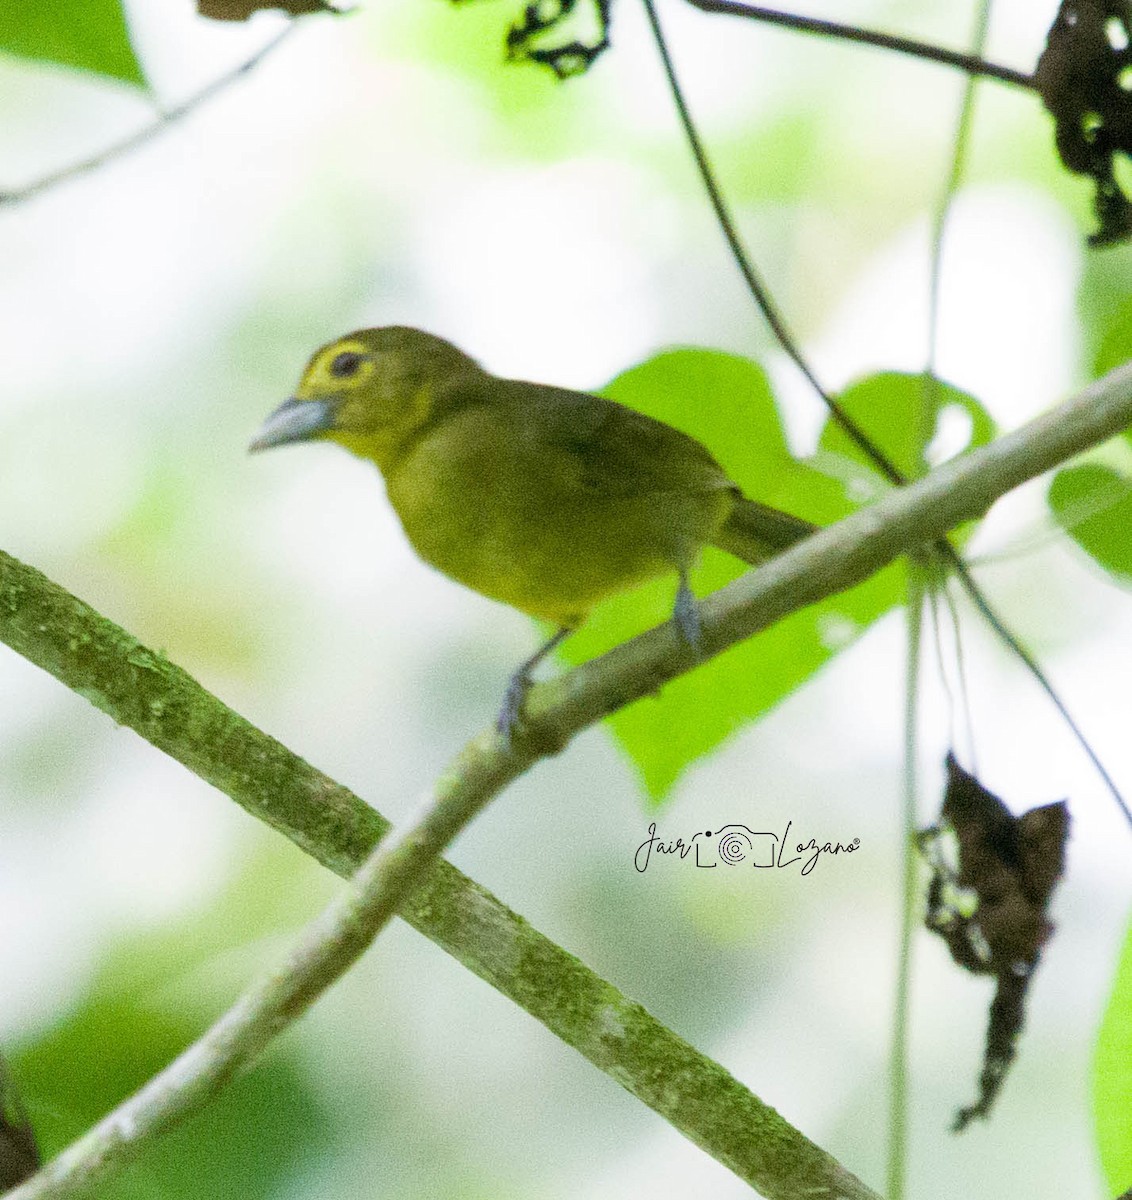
[(343, 365)]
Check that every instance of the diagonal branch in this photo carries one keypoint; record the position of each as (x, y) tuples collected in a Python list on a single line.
[(143, 690), (46, 624)]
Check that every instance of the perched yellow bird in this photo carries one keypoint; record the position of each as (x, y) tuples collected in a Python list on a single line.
[(547, 499)]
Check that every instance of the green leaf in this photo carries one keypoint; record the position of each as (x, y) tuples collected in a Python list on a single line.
[(727, 403), (249, 1141), (1113, 324), (88, 34), (1112, 1078), (1115, 346), (1093, 504), (889, 408)]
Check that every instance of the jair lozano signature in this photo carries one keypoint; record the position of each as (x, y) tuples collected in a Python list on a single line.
[(733, 845)]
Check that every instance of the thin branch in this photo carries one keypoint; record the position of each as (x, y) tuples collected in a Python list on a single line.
[(755, 285), (959, 156), (165, 121), (970, 63), (1001, 629), (897, 1150), (920, 585), (747, 1137), (962, 571), (1007, 636), (743, 260)]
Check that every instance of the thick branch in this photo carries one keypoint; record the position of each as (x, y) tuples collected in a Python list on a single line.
[(747, 1137), (697, 1094)]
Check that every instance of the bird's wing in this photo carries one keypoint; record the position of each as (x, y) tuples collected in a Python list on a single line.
[(613, 449)]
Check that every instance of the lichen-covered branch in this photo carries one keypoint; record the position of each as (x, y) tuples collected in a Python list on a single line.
[(145, 691)]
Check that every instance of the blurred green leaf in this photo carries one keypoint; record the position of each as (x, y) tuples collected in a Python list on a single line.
[(727, 403), (531, 113), (1112, 1077), (1093, 504), (89, 34), (248, 1141), (1115, 345)]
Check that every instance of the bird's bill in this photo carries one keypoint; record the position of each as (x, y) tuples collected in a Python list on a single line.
[(293, 421)]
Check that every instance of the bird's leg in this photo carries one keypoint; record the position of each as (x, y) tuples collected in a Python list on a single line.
[(685, 615), (519, 684)]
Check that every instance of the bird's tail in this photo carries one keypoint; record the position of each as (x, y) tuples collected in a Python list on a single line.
[(754, 532)]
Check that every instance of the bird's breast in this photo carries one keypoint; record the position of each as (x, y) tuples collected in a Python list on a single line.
[(521, 523)]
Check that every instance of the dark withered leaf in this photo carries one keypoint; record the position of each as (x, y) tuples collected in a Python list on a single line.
[(241, 10), (992, 878), (1080, 76), (542, 36)]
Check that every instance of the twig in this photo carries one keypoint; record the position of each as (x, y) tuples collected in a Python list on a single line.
[(960, 150), (167, 119), (743, 260), (1007, 636), (897, 1149), (781, 1167), (970, 63)]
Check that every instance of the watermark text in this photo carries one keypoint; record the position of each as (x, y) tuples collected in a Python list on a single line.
[(740, 845)]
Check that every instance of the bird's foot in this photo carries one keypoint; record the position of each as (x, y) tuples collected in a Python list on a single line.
[(685, 615), (510, 716)]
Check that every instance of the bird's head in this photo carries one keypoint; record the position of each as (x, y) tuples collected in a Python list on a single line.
[(369, 391)]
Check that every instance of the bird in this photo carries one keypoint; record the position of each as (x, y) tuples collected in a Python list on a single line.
[(547, 499)]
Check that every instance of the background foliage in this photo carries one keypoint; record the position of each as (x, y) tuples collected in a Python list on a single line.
[(387, 167)]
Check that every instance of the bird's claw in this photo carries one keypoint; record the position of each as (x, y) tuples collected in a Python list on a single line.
[(685, 615), (510, 716)]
